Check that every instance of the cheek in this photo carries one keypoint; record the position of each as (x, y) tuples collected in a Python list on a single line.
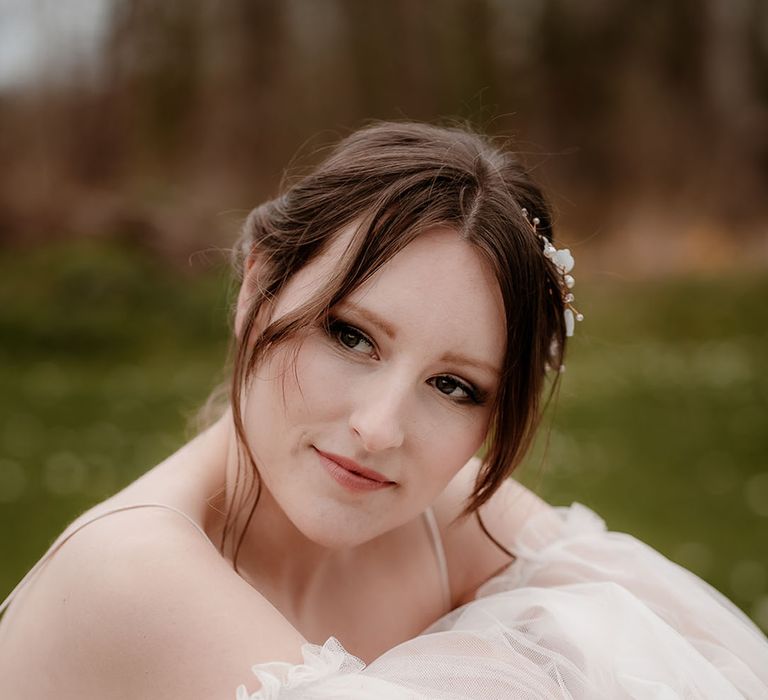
[(316, 385), (300, 384), (449, 437), (452, 443), (272, 399)]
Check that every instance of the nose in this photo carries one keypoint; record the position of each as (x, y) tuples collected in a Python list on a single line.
[(378, 416)]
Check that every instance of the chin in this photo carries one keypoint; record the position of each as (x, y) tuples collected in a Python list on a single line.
[(337, 539), (339, 530)]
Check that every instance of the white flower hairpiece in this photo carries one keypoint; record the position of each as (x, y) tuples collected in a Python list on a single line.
[(563, 261)]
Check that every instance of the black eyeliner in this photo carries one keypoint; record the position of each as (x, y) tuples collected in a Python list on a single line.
[(478, 396), (333, 324)]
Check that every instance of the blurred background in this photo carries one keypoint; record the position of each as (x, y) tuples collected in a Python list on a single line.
[(135, 135)]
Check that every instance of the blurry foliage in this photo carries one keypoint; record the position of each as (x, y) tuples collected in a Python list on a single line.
[(105, 354)]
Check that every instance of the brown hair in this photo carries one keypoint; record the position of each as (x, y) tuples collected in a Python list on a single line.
[(397, 180)]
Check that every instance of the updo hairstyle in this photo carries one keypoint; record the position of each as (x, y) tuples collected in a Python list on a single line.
[(396, 181)]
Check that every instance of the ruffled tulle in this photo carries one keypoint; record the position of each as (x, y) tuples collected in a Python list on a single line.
[(582, 613), (328, 671)]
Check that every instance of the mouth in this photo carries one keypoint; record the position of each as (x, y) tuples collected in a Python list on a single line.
[(352, 475)]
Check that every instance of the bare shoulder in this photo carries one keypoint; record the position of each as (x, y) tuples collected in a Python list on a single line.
[(472, 557), (139, 604)]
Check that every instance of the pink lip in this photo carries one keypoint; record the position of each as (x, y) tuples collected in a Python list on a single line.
[(351, 475)]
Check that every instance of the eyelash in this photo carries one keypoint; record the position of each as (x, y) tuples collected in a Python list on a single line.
[(335, 327)]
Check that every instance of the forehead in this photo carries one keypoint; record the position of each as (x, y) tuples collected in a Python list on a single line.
[(438, 291), (439, 288)]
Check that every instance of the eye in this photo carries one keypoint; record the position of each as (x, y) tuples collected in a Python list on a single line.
[(351, 338), (456, 389)]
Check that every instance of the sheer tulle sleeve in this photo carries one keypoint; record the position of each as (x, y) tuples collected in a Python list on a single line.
[(581, 613)]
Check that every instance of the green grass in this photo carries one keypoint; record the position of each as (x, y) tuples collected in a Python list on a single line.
[(660, 424), (105, 356)]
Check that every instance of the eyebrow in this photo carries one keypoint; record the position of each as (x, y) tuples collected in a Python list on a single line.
[(459, 359), (450, 357), (372, 318)]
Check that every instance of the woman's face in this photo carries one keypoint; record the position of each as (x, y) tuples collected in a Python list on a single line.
[(402, 386)]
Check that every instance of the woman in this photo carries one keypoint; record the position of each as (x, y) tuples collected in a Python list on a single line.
[(399, 309)]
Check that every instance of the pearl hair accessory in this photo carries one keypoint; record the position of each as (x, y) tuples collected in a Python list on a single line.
[(563, 260)]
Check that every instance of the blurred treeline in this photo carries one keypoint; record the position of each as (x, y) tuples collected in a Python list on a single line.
[(648, 120)]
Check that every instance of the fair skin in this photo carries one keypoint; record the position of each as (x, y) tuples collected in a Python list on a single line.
[(139, 605), (369, 393)]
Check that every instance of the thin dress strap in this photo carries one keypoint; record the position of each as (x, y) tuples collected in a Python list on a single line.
[(66, 535), (442, 565)]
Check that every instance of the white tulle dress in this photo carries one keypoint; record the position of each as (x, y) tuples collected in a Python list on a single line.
[(582, 613)]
